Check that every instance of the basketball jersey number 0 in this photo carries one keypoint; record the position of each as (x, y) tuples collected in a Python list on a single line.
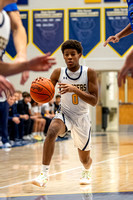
[(75, 100)]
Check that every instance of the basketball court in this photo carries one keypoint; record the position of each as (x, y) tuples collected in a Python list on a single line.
[(112, 177)]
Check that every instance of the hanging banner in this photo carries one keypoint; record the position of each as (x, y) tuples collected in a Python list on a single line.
[(92, 1), (10, 50), (48, 29), (111, 1), (22, 2), (116, 19), (84, 26)]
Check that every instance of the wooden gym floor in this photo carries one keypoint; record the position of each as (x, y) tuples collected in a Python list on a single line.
[(112, 178)]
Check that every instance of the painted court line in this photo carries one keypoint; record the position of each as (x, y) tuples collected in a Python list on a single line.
[(68, 170)]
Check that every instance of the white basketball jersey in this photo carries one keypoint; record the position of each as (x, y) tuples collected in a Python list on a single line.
[(4, 31), (71, 104), (4, 38)]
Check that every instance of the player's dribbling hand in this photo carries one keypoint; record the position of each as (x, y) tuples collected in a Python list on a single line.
[(113, 39), (65, 88)]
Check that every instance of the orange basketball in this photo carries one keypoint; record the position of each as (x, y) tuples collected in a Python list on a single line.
[(42, 90)]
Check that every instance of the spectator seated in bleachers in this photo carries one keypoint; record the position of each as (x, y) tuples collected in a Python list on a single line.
[(47, 111), (25, 128), (13, 120), (57, 103), (39, 121), (17, 95)]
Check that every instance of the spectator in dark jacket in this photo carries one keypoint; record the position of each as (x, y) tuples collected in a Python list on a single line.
[(23, 110), (57, 102), (13, 119)]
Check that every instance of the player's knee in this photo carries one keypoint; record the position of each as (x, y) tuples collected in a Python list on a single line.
[(52, 132), (86, 160)]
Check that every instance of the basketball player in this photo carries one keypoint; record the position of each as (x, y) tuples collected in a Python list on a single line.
[(19, 36), (128, 64), (37, 64), (126, 69), (5, 85), (116, 38), (42, 63), (4, 37), (79, 89), (127, 30)]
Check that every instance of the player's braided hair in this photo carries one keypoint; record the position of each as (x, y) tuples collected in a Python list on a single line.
[(72, 44)]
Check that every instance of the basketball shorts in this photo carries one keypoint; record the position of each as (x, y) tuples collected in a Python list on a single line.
[(80, 128)]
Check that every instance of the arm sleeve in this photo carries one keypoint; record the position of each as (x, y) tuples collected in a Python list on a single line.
[(11, 7), (10, 118), (130, 12)]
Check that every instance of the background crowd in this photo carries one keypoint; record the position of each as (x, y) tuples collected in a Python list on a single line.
[(27, 121)]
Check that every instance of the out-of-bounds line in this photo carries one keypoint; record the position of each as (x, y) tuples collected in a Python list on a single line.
[(68, 170)]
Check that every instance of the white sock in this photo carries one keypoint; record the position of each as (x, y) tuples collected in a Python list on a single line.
[(90, 169), (45, 168)]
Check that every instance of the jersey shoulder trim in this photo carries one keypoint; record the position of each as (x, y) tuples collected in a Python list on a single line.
[(11, 7)]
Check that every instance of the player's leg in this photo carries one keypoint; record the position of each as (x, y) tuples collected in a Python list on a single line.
[(4, 123), (56, 128), (81, 133), (86, 160)]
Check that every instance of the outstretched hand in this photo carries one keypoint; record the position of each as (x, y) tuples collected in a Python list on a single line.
[(126, 69), (6, 86), (113, 39), (42, 63), (25, 75)]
